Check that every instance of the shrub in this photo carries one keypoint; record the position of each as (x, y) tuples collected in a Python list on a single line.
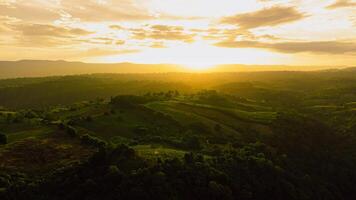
[(140, 130), (89, 118), (129, 100), (71, 131), (30, 114), (61, 126), (217, 127), (92, 141), (3, 139), (199, 128), (191, 142)]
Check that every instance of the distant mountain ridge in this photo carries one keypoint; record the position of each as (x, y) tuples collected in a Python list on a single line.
[(41, 68)]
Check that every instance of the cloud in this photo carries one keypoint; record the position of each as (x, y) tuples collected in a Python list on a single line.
[(42, 41), (267, 17), (163, 32), (158, 45), (117, 27), (166, 28), (34, 11), (222, 34), (326, 47), (46, 11), (102, 41), (342, 4), (49, 30), (3, 24), (96, 52), (96, 11), (120, 42), (46, 35)]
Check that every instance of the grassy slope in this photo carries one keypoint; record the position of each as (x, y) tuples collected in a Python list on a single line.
[(151, 152), (39, 133), (232, 120), (123, 122), (36, 156)]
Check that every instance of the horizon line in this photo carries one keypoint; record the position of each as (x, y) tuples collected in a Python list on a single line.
[(182, 65)]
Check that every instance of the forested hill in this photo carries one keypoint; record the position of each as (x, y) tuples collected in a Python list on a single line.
[(290, 86), (41, 68), (246, 136)]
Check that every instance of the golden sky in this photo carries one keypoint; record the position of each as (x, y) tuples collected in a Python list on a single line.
[(196, 33)]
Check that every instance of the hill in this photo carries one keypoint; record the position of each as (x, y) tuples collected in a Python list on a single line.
[(42, 68), (251, 135)]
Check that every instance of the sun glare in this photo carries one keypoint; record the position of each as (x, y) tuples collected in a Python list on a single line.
[(198, 56), (198, 66)]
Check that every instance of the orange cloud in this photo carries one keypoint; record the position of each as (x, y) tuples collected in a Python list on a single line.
[(29, 11), (163, 32), (96, 11), (46, 35), (342, 4), (49, 30), (158, 45), (267, 17), (327, 47), (222, 34), (105, 52), (116, 27)]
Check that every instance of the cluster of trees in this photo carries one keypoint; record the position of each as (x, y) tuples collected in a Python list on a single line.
[(3, 139), (92, 141), (68, 128), (297, 158), (133, 100), (70, 89), (169, 94), (302, 159), (254, 171), (128, 101)]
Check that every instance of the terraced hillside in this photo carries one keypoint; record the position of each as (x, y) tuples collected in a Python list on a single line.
[(175, 123)]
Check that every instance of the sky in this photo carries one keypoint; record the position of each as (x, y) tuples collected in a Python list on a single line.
[(196, 33)]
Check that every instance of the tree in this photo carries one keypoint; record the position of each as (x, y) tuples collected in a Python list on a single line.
[(3, 139), (126, 101), (191, 142), (90, 118), (71, 131), (217, 127)]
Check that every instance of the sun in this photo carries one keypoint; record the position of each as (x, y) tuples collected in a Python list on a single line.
[(198, 66)]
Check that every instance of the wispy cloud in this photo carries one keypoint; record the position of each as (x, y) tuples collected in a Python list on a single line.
[(326, 47), (96, 52), (163, 32), (342, 4), (97, 11), (46, 35), (33, 11), (49, 30), (267, 17)]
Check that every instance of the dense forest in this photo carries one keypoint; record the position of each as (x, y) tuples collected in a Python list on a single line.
[(249, 136)]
